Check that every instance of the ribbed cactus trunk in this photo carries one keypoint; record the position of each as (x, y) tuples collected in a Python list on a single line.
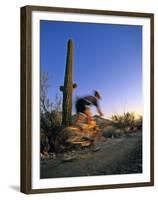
[(67, 89)]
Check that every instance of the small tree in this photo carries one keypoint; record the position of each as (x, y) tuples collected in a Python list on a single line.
[(50, 113)]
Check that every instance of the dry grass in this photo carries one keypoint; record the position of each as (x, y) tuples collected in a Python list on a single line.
[(121, 121)]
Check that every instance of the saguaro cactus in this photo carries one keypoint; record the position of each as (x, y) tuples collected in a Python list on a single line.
[(68, 87)]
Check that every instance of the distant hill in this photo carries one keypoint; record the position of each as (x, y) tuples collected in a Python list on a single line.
[(99, 120)]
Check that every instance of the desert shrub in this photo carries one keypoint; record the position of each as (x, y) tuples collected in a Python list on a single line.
[(50, 121), (125, 121), (50, 113)]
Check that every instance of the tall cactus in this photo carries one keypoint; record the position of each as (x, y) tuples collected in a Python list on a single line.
[(68, 87)]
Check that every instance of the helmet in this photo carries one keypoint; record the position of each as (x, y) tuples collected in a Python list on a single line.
[(97, 94)]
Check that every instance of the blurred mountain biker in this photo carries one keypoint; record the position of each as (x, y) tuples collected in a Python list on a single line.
[(83, 105)]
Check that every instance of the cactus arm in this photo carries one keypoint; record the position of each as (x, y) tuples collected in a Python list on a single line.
[(74, 85), (61, 88)]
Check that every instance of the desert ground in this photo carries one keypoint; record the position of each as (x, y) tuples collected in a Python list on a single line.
[(115, 154)]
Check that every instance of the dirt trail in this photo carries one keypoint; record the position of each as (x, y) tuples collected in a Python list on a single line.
[(116, 156)]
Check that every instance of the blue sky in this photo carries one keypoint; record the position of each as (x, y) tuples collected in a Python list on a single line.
[(107, 58)]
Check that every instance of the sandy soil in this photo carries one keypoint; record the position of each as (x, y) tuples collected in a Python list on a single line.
[(115, 156)]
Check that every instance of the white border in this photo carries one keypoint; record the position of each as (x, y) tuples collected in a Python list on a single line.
[(38, 183)]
